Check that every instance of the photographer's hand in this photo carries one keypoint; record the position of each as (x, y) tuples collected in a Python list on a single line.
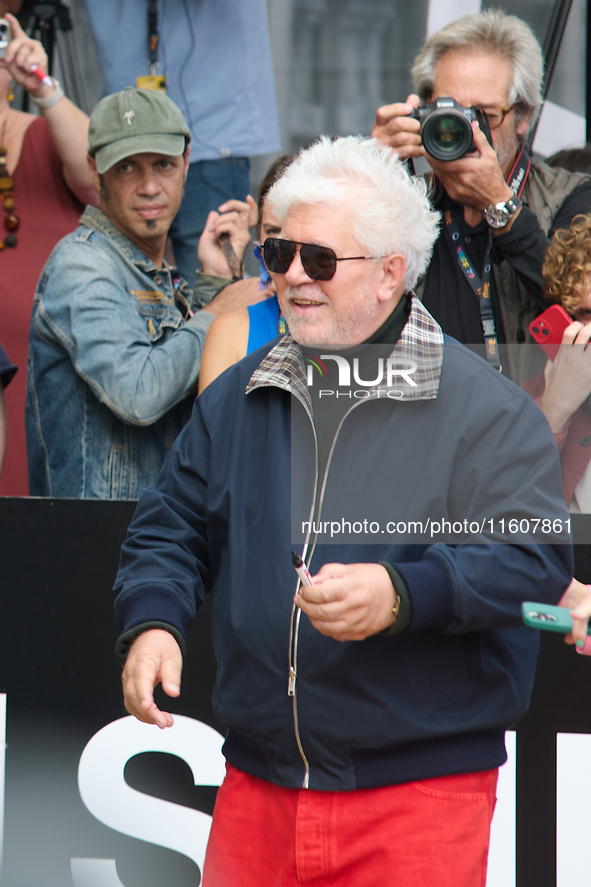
[(393, 127), (475, 180)]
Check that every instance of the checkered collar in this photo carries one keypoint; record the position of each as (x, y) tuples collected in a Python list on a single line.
[(420, 343)]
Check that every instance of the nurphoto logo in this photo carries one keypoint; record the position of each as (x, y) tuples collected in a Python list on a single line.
[(385, 374)]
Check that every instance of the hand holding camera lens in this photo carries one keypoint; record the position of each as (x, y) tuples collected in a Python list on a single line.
[(475, 180), (396, 127)]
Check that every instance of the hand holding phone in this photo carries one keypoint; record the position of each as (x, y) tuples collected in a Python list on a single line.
[(548, 618), (548, 329)]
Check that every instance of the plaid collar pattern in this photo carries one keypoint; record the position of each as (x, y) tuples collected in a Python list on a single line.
[(420, 346)]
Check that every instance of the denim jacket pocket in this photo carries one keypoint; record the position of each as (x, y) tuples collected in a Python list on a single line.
[(159, 316)]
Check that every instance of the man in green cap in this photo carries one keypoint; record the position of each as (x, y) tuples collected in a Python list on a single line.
[(116, 335)]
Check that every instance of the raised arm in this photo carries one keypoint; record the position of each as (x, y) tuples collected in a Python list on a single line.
[(226, 343), (67, 123)]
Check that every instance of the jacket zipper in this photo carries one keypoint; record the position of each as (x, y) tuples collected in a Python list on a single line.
[(296, 613)]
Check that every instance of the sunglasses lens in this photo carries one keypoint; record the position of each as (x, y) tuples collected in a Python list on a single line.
[(278, 254), (319, 262)]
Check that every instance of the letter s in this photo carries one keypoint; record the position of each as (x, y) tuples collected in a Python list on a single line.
[(114, 803)]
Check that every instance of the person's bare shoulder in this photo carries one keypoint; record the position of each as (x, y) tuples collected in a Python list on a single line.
[(225, 345)]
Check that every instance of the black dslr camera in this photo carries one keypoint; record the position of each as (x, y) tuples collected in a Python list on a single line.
[(446, 130)]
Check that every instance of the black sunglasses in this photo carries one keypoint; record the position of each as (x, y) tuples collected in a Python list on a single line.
[(319, 262)]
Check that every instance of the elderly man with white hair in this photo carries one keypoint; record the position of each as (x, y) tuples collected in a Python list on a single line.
[(365, 705)]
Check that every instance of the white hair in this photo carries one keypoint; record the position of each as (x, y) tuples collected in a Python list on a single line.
[(387, 208), (496, 33)]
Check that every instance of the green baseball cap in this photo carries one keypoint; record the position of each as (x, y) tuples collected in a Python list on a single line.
[(135, 121)]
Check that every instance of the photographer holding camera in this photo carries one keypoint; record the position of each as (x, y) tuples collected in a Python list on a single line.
[(499, 207)]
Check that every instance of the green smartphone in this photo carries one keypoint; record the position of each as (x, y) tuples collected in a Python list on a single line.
[(548, 618)]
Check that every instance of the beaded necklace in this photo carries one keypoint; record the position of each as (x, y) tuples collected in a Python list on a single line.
[(11, 222)]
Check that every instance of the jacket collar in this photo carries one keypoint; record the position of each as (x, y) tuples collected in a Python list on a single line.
[(421, 344), (95, 219)]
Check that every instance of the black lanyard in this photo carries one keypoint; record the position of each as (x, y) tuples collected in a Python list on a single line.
[(153, 35), (481, 285)]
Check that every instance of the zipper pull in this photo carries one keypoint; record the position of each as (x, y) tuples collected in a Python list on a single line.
[(291, 682)]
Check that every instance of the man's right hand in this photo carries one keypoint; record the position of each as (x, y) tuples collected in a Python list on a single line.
[(154, 658), (393, 127)]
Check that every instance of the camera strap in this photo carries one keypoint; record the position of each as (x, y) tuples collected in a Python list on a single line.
[(517, 178), (479, 285)]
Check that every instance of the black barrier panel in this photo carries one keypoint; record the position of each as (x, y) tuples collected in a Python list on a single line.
[(560, 704), (58, 560), (58, 563)]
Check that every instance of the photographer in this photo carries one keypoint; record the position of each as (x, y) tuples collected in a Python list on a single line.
[(484, 283)]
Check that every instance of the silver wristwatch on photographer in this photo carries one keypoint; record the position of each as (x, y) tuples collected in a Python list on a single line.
[(498, 214)]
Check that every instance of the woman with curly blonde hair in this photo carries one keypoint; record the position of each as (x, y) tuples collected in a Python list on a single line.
[(567, 266), (563, 390)]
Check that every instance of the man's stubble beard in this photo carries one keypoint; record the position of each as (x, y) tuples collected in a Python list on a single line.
[(507, 145), (340, 328), (105, 196)]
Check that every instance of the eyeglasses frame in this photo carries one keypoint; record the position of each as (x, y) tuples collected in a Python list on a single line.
[(297, 243)]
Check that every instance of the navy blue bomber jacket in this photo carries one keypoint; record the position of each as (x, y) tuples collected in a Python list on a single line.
[(432, 700)]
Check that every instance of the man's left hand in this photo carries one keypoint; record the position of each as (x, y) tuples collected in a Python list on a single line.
[(349, 602), (475, 180), (234, 218)]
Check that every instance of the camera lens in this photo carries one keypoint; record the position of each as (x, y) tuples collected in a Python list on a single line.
[(535, 330), (3, 29), (545, 332), (447, 135)]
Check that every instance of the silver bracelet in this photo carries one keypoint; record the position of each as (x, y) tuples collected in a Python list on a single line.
[(51, 100)]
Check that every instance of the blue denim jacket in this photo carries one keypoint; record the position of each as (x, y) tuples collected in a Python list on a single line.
[(113, 361)]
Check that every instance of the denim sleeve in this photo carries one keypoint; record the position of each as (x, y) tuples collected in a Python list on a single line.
[(86, 307)]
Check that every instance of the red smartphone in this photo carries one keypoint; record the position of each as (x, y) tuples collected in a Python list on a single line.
[(549, 327)]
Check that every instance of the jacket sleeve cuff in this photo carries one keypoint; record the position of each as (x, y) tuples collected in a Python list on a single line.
[(430, 594), (520, 237), (404, 611), (128, 637), (207, 286)]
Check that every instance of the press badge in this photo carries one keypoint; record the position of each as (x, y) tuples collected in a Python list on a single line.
[(152, 81)]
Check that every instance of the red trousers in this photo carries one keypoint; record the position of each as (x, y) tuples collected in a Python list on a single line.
[(433, 833)]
